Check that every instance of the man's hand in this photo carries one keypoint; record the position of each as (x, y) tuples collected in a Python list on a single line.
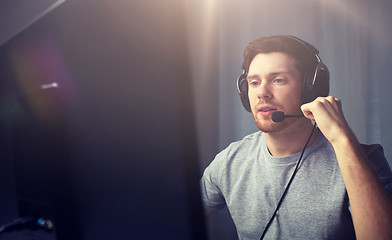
[(327, 113)]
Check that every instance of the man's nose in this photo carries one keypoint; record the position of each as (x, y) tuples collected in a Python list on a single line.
[(264, 90)]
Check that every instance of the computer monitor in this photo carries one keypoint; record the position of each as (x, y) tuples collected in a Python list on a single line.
[(103, 134)]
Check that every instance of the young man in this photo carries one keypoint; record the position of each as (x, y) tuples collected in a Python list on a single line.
[(341, 189)]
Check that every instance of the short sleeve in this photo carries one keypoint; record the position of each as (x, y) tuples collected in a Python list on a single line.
[(211, 193), (379, 164)]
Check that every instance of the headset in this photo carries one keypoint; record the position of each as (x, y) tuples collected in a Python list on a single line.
[(314, 83)]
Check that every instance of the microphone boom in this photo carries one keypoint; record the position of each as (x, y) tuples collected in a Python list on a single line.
[(279, 116)]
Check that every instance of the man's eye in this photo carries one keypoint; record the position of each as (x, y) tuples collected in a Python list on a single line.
[(254, 83), (279, 80)]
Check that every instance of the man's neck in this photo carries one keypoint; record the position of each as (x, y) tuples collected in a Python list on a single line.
[(290, 140)]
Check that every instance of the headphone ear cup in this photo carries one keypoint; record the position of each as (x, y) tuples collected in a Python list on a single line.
[(316, 84), (242, 85), (321, 84)]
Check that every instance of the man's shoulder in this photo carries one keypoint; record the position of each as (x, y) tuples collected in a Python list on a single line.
[(234, 159), (256, 138), (241, 147)]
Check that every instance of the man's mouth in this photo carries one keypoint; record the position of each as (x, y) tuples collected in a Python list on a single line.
[(266, 110)]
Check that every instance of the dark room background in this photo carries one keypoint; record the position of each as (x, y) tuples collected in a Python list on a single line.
[(98, 125)]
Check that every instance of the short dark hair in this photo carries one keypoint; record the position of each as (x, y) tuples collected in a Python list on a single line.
[(305, 59)]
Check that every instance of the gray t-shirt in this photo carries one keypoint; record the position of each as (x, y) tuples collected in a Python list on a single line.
[(250, 181)]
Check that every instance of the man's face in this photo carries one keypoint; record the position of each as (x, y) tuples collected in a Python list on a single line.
[(275, 84)]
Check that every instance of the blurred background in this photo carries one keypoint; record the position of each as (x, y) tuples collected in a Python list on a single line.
[(97, 120), (146, 97)]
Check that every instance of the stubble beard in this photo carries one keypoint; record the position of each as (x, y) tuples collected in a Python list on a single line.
[(265, 124), (268, 126)]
